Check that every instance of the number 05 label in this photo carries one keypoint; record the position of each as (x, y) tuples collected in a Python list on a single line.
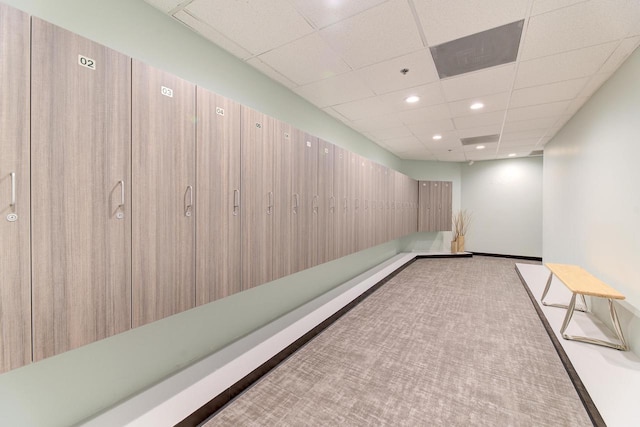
[(86, 62)]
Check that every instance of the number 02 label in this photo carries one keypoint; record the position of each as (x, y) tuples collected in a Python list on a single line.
[(86, 62)]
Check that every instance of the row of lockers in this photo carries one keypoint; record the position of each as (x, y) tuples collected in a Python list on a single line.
[(134, 195)]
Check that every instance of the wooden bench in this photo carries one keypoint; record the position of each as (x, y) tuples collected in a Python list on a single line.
[(580, 282)]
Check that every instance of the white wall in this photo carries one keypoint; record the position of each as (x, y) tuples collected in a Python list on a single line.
[(504, 198), (591, 208)]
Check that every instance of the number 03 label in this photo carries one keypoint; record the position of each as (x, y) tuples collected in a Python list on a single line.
[(86, 62)]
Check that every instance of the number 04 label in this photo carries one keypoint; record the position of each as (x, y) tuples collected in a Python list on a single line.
[(86, 62)]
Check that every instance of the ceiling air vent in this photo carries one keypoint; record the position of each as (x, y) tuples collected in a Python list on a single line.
[(486, 49), (485, 139), (536, 153)]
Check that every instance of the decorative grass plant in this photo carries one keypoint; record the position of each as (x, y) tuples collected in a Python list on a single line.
[(461, 221)]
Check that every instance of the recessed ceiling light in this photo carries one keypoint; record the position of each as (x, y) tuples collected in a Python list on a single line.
[(480, 147), (437, 137), (512, 155), (412, 99), (477, 105)]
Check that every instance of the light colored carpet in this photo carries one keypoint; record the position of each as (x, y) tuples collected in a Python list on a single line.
[(447, 342)]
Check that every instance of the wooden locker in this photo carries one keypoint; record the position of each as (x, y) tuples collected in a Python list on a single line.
[(435, 202), (81, 190), (341, 192), (218, 189), (446, 221), (305, 198), (283, 216), (164, 173), (257, 197), (15, 263), (326, 203), (378, 205), (353, 215)]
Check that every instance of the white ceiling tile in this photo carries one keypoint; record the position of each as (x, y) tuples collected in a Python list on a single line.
[(519, 143), (559, 91), (432, 113), (594, 84), (520, 151), (378, 34), (480, 155), (430, 94), (305, 60), (626, 48), (454, 156), (478, 120), (270, 72), (378, 123), (212, 35), (546, 122), (490, 147), (256, 25), (480, 131), (479, 83), (445, 20), (576, 104), (521, 135), (544, 6), (578, 26), (335, 90), (563, 66), (164, 5), (363, 108), (496, 102), (537, 111), (392, 133), (449, 141), (333, 113), (426, 130), (403, 144), (327, 12), (386, 77)]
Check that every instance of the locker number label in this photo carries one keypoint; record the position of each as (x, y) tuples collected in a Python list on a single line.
[(326, 151), (220, 111), (308, 143), (166, 91), (85, 62)]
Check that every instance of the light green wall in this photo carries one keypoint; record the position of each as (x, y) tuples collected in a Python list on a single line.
[(591, 202), (504, 198)]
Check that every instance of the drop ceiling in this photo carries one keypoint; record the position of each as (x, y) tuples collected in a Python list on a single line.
[(347, 57)]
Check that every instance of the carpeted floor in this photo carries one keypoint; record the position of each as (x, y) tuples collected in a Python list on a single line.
[(447, 342)]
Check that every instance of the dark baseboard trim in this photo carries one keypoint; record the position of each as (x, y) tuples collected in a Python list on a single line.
[(218, 402), (527, 258), (589, 406), (460, 255)]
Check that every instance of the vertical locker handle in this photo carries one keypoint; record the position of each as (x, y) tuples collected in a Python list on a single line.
[(236, 201), (120, 213), (270, 206), (295, 203), (189, 204), (345, 204), (13, 191), (357, 204), (12, 216), (332, 206), (314, 204)]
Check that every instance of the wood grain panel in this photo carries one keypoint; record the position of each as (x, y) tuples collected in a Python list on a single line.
[(446, 208), (80, 152), (283, 216), (341, 191), (305, 188), (353, 214), (326, 202), (218, 189), (163, 170), (15, 264), (257, 197)]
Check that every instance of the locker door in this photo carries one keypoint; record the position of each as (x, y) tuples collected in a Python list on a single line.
[(435, 200), (218, 190), (257, 199), (446, 201), (354, 215), (305, 191), (283, 215), (340, 188), (81, 190), (164, 169), (326, 203), (378, 206), (15, 265)]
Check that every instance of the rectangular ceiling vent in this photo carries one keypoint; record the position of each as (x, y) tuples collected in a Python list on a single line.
[(536, 153), (485, 139), (485, 49)]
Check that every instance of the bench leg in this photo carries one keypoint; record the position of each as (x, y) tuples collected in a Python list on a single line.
[(584, 307), (616, 325)]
